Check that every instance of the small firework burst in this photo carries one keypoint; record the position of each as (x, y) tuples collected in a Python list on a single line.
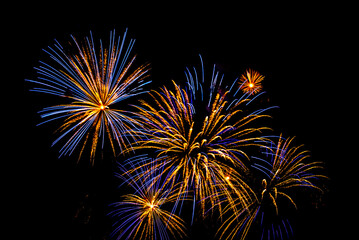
[(250, 82)]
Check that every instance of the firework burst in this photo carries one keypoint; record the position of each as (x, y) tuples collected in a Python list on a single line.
[(288, 169), (141, 215), (193, 142), (284, 168), (92, 81), (250, 82), (200, 138)]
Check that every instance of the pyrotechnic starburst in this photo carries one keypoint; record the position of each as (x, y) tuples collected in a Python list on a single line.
[(250, 82), (141, 215), (92, 81), (202, 137), (193, 142), (284, 168), (288, 169)]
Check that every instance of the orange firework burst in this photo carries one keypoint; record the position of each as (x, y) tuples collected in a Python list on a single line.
[(250, 82), (199, 138)]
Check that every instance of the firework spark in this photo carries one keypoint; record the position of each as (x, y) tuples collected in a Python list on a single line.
[(284, 168), (250, 82), (142, 215), (93, 81), (201, 137)]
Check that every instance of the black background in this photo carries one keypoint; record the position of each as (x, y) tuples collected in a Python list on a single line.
[(303, 51)]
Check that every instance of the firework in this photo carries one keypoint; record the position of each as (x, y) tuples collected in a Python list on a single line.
[(141, 215), (201, 138), (250, 82), (284, 168), (91, 81), (288, 169)]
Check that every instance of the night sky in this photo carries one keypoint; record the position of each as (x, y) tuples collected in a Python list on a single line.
[(301, 53)]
